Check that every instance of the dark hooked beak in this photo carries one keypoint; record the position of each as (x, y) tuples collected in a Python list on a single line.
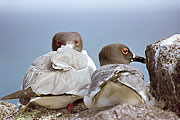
[(138, 59)]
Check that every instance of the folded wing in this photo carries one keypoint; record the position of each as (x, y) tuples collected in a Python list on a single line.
[(64, 71)]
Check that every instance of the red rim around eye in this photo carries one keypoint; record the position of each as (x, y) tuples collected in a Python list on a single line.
[(58, 43), (125, 51), (77, 42)]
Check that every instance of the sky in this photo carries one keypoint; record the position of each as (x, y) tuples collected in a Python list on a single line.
[(27, 28)]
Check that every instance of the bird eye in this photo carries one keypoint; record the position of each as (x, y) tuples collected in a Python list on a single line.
[(58, 43), (76, 42), (124, 51)]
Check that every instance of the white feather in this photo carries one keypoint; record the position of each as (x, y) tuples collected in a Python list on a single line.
[(65, 71), (54, 102)]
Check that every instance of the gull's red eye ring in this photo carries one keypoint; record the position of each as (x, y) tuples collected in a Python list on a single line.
[(58, 43), (125, 51), (77, 42)]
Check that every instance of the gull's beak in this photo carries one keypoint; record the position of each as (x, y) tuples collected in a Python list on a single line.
[(136, 58)]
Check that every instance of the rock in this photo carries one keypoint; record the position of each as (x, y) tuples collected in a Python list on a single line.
[(124, 112), (7, 109), (163, 64), (11, 111)]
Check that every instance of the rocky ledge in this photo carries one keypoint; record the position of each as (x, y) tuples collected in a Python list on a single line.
[(124, 112)]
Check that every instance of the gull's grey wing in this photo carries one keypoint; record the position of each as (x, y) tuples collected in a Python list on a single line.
[(44, 79), (121, 71), (119, 76), (48, 75), (41, 64)]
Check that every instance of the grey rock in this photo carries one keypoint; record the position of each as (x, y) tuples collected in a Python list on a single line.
[(122, 112), (163, 64), (126, 112), (7, 109)]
